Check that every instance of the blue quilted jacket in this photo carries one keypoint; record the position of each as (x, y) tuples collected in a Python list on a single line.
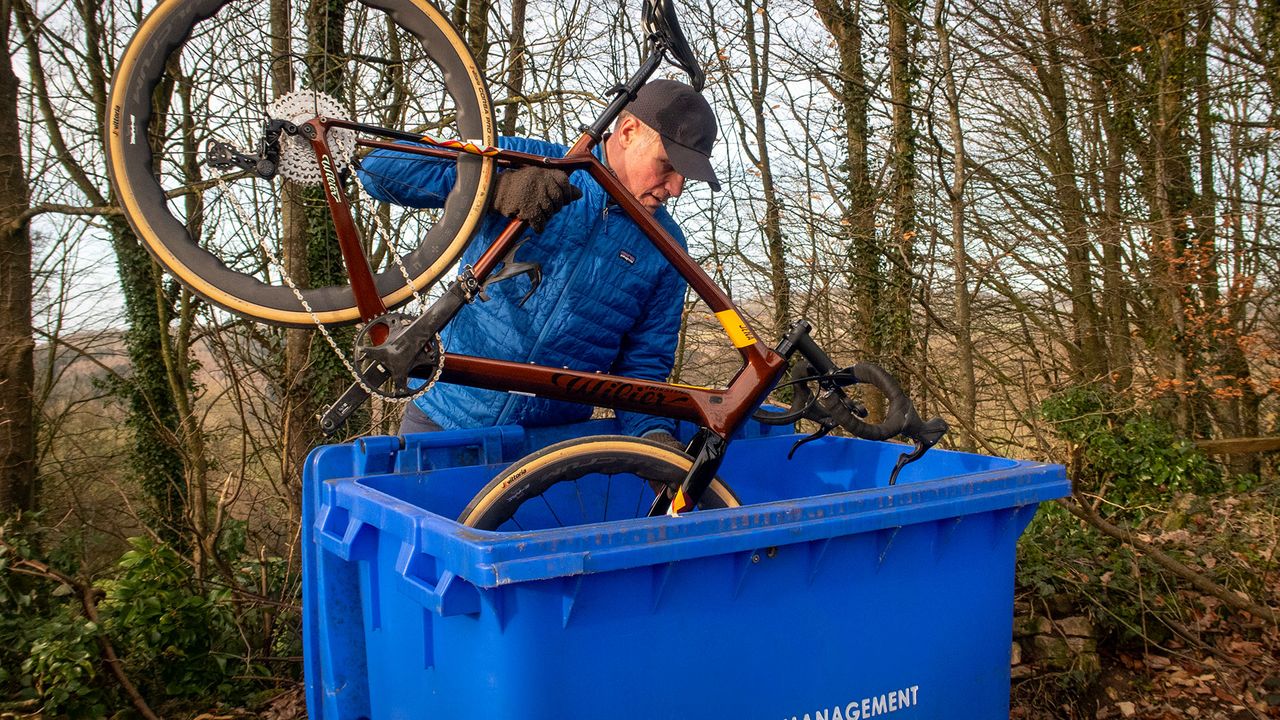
[(608, 300)]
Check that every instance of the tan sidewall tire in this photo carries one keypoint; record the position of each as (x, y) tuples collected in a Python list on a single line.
[(532, 475), (128, 163)]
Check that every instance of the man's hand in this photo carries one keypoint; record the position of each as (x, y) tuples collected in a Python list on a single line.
[(533, 194)]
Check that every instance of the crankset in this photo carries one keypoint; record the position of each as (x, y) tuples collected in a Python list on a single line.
[(369, 361)]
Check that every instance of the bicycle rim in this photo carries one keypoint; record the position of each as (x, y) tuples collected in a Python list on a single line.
[(588, 480), (198, 71)]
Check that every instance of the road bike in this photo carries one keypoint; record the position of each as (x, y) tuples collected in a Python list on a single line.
[(207, 133)]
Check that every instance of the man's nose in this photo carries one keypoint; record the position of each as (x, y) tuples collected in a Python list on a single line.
[(675, 185)]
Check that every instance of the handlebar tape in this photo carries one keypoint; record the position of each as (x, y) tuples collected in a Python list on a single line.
[(900, 418)]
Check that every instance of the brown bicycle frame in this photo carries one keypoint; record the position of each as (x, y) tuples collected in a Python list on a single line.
[(720, 410)]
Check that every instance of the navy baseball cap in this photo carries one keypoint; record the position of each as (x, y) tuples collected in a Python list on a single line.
[(684, 121)]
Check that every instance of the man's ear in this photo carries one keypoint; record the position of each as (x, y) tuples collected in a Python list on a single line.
[(627, 131)]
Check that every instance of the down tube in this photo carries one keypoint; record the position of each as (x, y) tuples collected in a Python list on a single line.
[(705, 406)]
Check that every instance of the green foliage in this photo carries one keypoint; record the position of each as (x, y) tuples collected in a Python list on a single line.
[(181, 640), (16, 600), (1135, 460), (178, 638), (1245, 482), (48, 649), (1062, 560), (1132, 454), (61, 668)]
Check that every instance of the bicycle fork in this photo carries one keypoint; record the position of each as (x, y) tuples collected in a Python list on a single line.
[(708, 448)]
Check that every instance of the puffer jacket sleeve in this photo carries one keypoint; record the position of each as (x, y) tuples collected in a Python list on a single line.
[(649, 350), (406, 179), (424, 182)]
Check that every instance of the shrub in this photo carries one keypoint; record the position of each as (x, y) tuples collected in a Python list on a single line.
[(181, 640), (178, 638), (1131, 454)]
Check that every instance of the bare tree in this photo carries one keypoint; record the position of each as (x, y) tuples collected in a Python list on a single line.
[(17, 373), (749, 107), (166, 454), (966, 406)]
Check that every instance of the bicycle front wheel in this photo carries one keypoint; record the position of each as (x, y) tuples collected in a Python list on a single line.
[(586, 480), (200, 75)]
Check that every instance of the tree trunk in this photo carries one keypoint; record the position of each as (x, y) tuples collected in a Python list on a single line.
[(471, 18), (896, 349), (1167, 186), (312, 374), (1088, 355), (775, 243), (843, 18), (1096, 37), (18, 492), (967, 412), (515, 71), (1235, 400)]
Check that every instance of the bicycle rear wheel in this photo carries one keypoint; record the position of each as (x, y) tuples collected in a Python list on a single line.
[(586, 480), (200, 71)]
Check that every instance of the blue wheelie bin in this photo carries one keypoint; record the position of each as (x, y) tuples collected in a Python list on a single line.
[(828, 595)]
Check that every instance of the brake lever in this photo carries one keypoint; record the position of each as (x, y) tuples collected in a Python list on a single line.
[(906, 459), (926, 436), (823, 430)]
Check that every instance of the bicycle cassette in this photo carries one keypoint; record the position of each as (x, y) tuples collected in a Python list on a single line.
[(297, 159)]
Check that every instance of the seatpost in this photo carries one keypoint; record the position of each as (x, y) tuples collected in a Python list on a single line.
[(623, 95)]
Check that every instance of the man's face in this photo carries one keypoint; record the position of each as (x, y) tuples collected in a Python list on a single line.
[(640, 162)]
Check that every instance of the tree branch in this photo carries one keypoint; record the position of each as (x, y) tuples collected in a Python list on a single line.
[(1232, 600)]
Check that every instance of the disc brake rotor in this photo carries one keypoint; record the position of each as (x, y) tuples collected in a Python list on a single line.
[(297, 159)]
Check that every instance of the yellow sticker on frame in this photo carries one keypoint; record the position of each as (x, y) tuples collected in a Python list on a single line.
[(739, 334)]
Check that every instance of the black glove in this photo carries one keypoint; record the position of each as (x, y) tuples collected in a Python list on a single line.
[(665, 438), (533, 194)]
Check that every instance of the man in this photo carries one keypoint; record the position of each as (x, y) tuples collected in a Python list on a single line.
[(608, 300)]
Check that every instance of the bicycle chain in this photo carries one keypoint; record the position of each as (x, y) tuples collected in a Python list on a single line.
[(278, 263)]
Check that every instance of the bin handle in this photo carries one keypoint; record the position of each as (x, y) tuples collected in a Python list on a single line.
[(444, 596), (342, 545)]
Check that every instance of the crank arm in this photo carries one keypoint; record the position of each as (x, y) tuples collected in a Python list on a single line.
[(337, 414), (400, 353)]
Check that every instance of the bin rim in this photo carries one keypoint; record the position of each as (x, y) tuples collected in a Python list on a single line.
[(491, 559)]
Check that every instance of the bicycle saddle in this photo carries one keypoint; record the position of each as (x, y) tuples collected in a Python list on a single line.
[(661, 23)]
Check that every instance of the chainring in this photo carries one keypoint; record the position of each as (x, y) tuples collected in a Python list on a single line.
[(297, 159), (393, 323)]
